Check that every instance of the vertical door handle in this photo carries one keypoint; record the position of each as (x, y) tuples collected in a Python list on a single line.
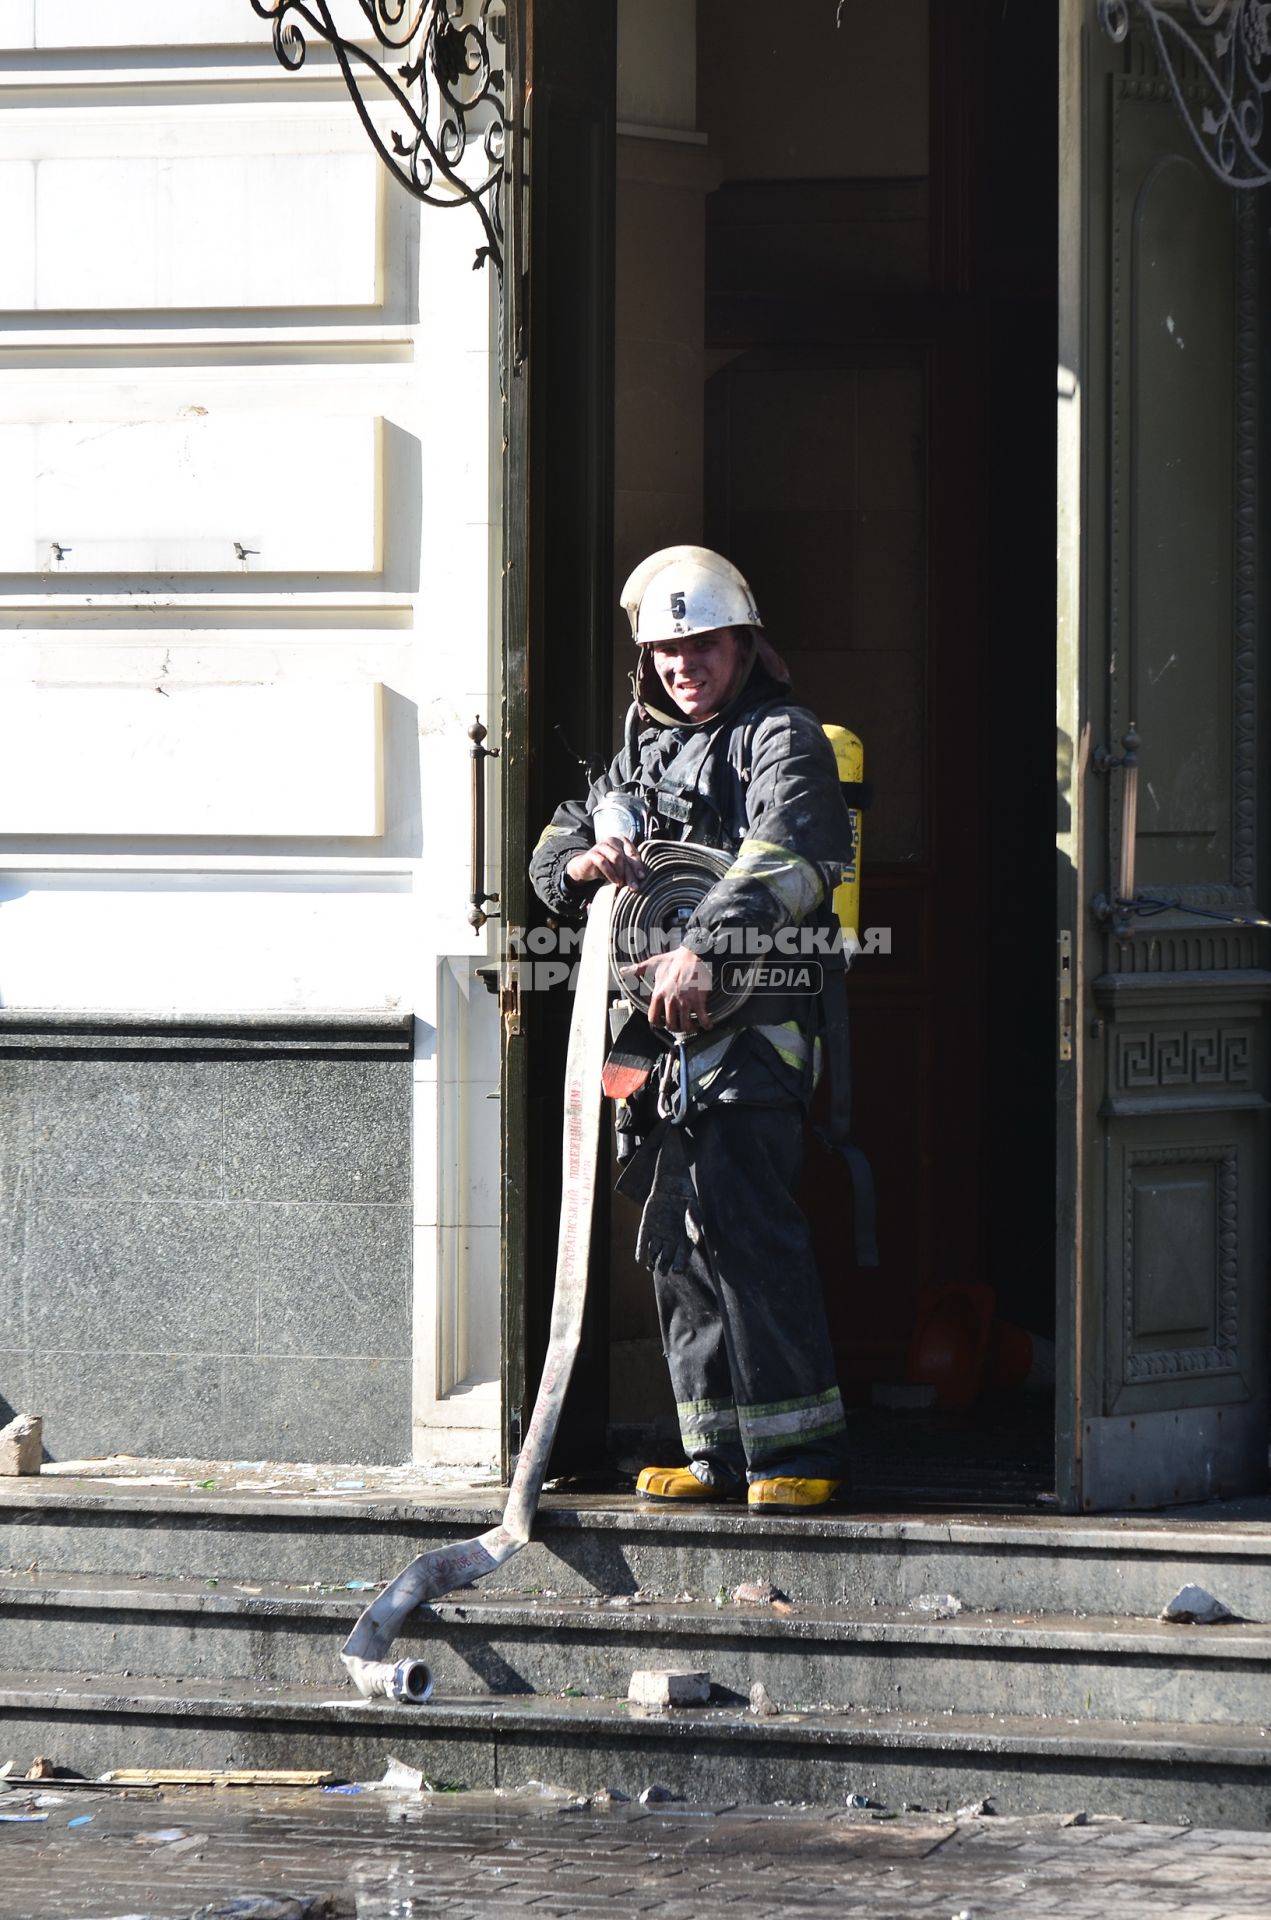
[(477, 916), (1119, 911)]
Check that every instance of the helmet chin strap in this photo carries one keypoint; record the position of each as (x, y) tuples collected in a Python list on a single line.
[(747, 654)]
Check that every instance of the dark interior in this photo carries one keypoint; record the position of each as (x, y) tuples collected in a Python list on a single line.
[(875, 369)]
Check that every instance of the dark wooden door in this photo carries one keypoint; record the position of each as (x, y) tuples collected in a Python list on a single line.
[(558, 504), (1163, 1100)]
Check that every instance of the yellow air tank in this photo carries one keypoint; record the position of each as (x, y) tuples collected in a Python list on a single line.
[(850, 755)]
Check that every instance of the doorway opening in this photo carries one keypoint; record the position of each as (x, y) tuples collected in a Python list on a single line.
[(834, 361)]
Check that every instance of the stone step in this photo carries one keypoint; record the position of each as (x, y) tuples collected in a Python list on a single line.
[(476, 1644), (1116, 1566), (1163, 1772)]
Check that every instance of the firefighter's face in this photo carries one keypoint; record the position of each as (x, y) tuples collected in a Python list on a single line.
[(701, 671)]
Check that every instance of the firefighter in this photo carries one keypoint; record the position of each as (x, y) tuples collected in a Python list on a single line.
[(717, 754)]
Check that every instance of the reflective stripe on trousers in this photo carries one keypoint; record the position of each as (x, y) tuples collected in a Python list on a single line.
[(744, 1329)]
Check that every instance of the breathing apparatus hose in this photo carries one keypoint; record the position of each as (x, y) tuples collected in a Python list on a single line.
[(365, 1652)]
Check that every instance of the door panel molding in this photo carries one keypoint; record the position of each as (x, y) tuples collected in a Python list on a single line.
[(1143, 169), (1184, 1319), (1216, 1167)]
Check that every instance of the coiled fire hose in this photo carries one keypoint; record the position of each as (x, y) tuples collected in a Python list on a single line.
[(678, 873), (365, 1652)]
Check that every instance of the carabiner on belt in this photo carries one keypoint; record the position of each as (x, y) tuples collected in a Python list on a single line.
[(673, 1096)]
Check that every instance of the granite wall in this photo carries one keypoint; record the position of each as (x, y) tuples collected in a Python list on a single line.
[(205, 1235)]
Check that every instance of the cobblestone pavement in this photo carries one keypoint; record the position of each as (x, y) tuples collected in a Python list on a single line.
[(382, 1856)]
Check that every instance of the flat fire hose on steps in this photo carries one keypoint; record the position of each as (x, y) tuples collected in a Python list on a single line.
[(365, 1652)]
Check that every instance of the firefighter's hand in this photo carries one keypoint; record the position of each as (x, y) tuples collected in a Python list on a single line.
[(614, 859), (681, 986)]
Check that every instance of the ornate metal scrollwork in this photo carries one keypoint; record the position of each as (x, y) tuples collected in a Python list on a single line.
[(448, 89), (1216, 56)]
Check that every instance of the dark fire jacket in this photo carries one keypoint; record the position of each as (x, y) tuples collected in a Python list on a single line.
[(758, 780)]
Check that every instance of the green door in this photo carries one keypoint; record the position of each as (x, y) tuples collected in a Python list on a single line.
[(1164, 1013)]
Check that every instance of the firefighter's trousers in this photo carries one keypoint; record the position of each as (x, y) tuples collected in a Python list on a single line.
[(744, 1329)]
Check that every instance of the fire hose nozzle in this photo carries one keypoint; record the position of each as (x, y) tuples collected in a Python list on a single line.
[(409, 1682)]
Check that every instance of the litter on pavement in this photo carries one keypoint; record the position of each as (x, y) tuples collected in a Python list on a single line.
[(1196, 1606)]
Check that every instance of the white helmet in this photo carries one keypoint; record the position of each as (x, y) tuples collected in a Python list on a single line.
[(683, 590)]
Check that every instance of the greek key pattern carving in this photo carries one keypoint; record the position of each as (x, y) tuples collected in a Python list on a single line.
[(1222, 1356), (1185, 1057)]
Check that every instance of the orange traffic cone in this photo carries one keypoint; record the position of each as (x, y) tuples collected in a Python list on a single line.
[(950, 1342), (1018, 1361)]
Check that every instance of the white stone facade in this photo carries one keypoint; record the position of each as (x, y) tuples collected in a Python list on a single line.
[(248, 573)]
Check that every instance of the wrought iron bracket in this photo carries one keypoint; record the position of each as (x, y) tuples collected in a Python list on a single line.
[(1216, 57), (448, 89)]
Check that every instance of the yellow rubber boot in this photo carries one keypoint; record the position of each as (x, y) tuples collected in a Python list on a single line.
[(678, 1483), (791, 1495)]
